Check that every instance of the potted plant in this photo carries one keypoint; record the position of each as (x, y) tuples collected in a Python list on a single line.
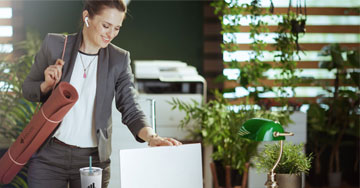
[(217, 124), (339, 116), (318, 141), (292, 165)]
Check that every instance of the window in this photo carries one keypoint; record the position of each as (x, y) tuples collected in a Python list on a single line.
[(6, 28), (327, 22)]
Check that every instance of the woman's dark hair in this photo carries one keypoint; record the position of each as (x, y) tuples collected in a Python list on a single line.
[(94, 7)]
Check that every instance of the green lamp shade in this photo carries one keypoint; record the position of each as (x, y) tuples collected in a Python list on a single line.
[(259, 129)]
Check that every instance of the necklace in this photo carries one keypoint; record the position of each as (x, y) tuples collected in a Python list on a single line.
[(86, 68)]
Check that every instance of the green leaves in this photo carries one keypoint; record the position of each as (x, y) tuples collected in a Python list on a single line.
[(353, 58), (355, 76), (19, 180), (15, 111), (293, 160), (252, 72), (215, 123), (285, 58), (335, 51), (342, 107)]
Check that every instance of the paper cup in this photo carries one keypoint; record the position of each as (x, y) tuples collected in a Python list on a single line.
[(90, 179)]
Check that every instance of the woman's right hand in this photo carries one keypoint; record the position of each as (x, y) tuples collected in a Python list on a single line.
[(52, 76)]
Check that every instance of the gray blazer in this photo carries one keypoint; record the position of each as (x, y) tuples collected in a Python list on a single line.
[(114, 78)]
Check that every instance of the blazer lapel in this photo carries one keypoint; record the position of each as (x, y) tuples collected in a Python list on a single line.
[(101, 80), (72, 49)]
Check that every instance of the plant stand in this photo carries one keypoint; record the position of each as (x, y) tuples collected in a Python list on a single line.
[(228, 176)]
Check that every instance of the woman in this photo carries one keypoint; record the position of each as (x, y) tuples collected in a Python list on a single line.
[(99, 71)]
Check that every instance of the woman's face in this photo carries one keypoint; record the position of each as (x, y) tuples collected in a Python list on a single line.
[(104, 27)]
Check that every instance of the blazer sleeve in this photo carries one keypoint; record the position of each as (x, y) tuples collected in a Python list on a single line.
[(125, 97), (31, 86)]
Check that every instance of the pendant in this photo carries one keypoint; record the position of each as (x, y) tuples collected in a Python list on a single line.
[(84, 75)]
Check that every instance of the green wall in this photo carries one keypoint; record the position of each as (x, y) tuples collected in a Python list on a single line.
[(164, 30)]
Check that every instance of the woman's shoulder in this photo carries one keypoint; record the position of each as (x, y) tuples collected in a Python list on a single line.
[(117, 51), (57, 39)]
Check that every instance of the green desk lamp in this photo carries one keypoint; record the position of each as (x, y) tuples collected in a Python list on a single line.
[(258, 129)]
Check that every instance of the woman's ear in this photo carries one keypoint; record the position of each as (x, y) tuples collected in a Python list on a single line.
[(85, 16)]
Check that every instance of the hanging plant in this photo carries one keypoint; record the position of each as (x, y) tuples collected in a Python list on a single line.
[(290, 26), (232, 14)]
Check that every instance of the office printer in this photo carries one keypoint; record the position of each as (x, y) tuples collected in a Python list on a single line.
[(163, 81)]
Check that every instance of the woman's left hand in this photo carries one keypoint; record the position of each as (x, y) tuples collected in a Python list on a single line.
[(162, 141)]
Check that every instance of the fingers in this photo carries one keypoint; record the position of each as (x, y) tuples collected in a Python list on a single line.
[(173, 141), (50, 74), (59, 62), (58, 65), (158, 141), (53, 72), (165, 143)]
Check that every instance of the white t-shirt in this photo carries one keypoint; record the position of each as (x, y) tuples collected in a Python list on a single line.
[(78, 125)]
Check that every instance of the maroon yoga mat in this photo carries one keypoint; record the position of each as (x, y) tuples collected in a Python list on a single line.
[(37, 131)]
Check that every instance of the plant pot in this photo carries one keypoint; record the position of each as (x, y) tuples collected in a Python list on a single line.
[(288, 180), (227, 177), (335, 179)]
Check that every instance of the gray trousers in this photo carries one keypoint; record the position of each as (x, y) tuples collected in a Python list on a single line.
[(57, 166)]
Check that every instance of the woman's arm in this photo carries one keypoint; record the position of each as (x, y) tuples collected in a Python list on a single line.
[(125, 98), (42, 77), (31, 86), (132, 115)]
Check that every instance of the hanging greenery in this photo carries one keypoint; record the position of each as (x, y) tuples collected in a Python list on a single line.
[(232, 13), (290, 27), (286, 52)]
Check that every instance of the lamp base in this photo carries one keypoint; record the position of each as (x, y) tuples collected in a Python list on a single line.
[(271, 181)]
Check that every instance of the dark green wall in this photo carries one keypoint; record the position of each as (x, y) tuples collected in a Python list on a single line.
[(165, 30)]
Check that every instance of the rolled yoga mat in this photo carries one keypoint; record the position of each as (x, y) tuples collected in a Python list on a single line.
[(42, 124)]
